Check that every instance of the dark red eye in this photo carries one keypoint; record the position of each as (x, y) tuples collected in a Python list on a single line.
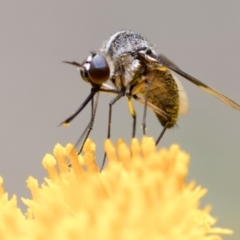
[(99, 71)]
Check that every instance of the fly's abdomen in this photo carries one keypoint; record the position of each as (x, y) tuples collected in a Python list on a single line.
[(163, 93)]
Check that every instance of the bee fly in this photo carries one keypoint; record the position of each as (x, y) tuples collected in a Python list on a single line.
[(136, 71)]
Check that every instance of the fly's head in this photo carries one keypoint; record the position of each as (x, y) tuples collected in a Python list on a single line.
[(94, 69)]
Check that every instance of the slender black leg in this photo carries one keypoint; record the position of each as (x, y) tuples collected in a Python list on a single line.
[(83, 105), (162, 133), (120, 95), (133, 114), (147, 86), (134, 126), (110, 112), (157, 111), (89, 127)]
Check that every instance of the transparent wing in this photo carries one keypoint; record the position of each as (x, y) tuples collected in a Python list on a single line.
[(169, 64)]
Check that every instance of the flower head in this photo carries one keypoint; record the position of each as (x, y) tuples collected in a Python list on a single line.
[(141, 194)]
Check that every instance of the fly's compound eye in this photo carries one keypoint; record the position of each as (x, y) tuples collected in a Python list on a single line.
[(98, 71)]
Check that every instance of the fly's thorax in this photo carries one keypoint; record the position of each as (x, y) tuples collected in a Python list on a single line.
[(131, 70), (118, 50), (163, 93), (123, 42)]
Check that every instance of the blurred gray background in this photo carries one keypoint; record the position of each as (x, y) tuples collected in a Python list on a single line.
[(38, 91)]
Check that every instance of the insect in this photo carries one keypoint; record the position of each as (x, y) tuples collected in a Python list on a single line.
[(137, 71)]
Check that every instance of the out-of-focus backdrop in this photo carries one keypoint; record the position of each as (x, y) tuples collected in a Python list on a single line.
[(38, 91)]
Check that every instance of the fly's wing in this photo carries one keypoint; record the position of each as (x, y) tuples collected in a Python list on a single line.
[(183, 101), (164, 61)]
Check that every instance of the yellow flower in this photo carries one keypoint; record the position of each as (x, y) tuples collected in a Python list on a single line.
[(141, 194)]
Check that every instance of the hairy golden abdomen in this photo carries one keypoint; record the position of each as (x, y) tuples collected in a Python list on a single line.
[(163, 93)]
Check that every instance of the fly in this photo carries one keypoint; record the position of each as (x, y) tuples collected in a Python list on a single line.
[(137, 71)]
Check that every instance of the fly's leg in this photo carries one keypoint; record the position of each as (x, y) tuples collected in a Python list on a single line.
[(120, 95), (147, 86), (89, 127), (157, 111), (134, 94), (162, 132), (133, 114), (94, 90)]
